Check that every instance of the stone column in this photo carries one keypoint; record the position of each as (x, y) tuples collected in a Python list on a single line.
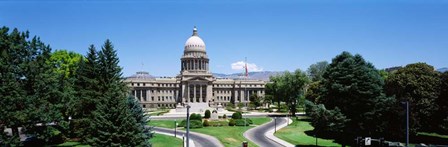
[(194, 91), (209, 93), (183, 93), (200, 93), (188, 93), (147, 95)]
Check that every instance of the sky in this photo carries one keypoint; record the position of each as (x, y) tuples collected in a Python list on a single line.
[(273, 35)]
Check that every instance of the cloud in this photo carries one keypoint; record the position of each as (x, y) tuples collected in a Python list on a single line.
[(240, 65)]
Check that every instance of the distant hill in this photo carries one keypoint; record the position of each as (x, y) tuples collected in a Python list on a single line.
[(442, 69), (262, 75)]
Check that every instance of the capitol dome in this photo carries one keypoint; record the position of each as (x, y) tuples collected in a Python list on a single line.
[(194, 43)]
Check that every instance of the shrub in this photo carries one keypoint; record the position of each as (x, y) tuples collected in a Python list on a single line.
[(193, 124), (207, 114), (224, 116), (206, 123), (241, 122), (232, 122), (195, 116), (237, 115), (218, 123)]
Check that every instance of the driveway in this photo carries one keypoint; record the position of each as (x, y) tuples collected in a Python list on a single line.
[(200, 140), (257, 134)]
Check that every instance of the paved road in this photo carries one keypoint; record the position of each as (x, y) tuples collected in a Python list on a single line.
[(257, 136), (200, 140)]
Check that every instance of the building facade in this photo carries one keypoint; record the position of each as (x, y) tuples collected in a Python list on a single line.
[(194, 85)]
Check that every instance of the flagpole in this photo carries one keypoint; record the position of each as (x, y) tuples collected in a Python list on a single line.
[(245, 79)]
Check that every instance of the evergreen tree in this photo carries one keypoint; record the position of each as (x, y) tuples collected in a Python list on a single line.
[(116, 120), (355, 87), (87, 93), (13, 113), (65, 63), (28, 87)]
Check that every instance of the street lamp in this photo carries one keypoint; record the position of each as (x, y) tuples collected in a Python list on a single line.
[(188, 125), (183, 141), (245, 121), (275, 124), (407, 122), (175, 128)]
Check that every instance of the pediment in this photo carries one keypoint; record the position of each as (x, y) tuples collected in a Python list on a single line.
[(197, 78)]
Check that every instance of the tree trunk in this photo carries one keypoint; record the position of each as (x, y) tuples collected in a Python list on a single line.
[(15, 131)]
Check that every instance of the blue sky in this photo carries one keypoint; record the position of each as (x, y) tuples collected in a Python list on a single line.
[(273, 35)]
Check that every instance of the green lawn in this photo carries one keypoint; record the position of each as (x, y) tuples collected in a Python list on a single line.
[(163, 123), (231, 136), (158, 112), (432, 135), (160, 140), (295, 134), (73, 143)]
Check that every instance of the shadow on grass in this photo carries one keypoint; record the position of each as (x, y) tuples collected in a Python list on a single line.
[(429, 140)]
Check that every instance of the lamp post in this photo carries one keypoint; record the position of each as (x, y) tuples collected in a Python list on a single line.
[(245, 121), (188, 125), (175, 128), (275, 124), (406, 105), (407, 123)]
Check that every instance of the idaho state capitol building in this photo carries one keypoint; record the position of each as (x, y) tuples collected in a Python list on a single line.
[(195, 85)]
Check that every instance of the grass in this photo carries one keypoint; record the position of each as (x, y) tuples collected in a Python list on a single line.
[(432, 135), (295, 134), (163, 123), (160, 140), (73, 143), (231, 136), (158, 112)]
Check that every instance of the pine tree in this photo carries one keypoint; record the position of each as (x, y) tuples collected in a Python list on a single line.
[(87, 93), (117, 121)]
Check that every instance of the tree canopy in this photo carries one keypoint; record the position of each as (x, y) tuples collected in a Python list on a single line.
[(419, 84)]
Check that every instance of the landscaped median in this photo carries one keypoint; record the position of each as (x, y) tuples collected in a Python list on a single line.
[(295, 133), (229, 136)]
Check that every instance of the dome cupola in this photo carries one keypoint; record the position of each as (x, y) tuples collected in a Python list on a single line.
[(194, 43)]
